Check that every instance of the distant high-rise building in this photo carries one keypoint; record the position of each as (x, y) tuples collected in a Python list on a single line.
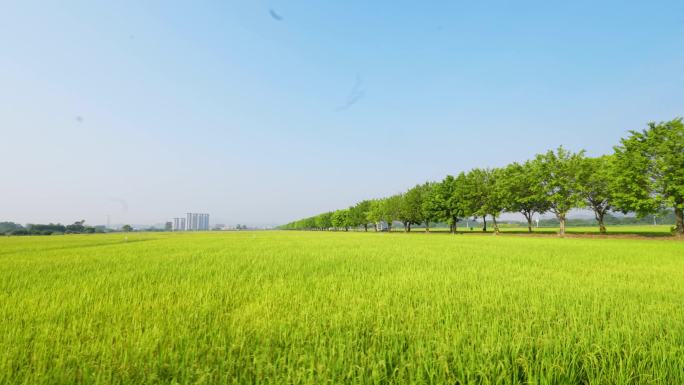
[(178, 224), (196, 222)]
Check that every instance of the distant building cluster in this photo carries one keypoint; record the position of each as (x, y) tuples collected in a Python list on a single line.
[(191, 222)]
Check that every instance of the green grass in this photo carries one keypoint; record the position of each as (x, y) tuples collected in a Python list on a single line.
[(316, 308)]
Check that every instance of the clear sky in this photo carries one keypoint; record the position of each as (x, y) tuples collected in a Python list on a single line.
[(261, 112)]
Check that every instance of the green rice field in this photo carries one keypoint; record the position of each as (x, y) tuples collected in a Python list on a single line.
[(283, 307)]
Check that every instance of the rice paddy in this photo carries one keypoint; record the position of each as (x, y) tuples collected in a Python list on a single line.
[(361, 308)]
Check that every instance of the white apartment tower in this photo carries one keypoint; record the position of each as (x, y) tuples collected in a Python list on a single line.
[(178, 224), (196, 222)]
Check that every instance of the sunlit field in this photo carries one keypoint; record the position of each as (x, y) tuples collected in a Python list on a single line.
[(334, 307)]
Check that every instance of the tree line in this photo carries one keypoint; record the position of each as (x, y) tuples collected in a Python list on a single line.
[(78, 227), (643, 175)]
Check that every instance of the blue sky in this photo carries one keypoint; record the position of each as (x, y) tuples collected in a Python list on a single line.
[(146, 110)]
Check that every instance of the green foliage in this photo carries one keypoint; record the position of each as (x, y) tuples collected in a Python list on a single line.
[(650, 170), (483, 194), (430, 205), (324, 221), (595, 186), (448, 201), (126, 228), (11, 228), (559, 176), (645, 175), (8, 227), (375, 212), (522, 192), (358, 214), (391, 209), (340, 219), (411, 207)]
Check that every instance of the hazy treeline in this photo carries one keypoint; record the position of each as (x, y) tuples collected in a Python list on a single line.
[(643, 175), (78, 227)]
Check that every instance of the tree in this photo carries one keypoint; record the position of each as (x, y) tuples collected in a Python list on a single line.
[(308, 223), (324, 221), (487, 197), (429, 207), (649, 171), (595, 184), (7, 227), (358, 214), (126, 228), (521, 191), (76, 227), (474, 194), (391, 209), (340, 219), (447, 202), (559, 175), (374, 213), (411, 207)]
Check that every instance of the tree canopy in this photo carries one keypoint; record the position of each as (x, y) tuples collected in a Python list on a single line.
[(644, 175)]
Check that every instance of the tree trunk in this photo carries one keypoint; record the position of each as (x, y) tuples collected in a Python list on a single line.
[(409, 227), (452, 228), (599, 218), (376, 227), (679, 220), (561, 219), (455, 225), (346, 228), (496, 225), (365, 227), (389, 226), (427, 226), (406, 227), (528, 216), (484, 220)]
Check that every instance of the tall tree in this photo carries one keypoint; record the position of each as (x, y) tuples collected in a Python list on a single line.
[(374, 213), (358, 214), (521, 191), (473, 193), (340, 219), (324, 221), (559, 174), (650, 171), (428, 211), (494, 199), (411, 207), (391, 210), (595, 184), (447, 201), (483, 195)]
